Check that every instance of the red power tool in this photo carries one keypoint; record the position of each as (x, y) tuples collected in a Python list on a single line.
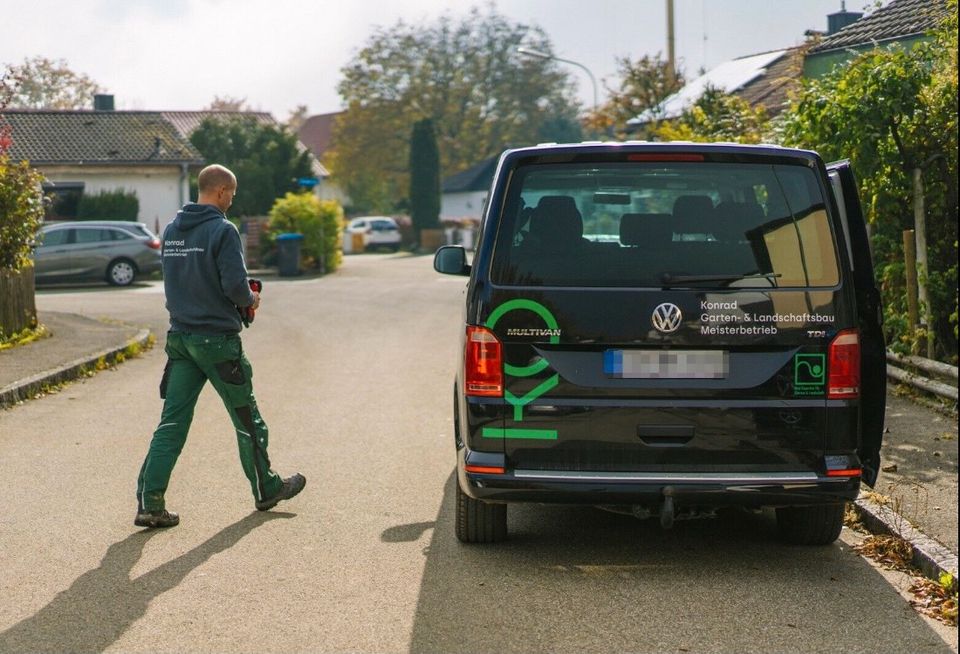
[(247, 314)]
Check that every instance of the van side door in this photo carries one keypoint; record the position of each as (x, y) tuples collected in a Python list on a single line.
[(873, 364)]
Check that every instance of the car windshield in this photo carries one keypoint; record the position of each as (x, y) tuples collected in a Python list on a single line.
[(656, 224)]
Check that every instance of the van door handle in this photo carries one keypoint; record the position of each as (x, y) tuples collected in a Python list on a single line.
[(665, 435)]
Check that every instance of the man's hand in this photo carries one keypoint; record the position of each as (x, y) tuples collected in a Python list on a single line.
[(256, 300)]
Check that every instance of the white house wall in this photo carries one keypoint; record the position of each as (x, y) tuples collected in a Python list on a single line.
[(462, 205), (160, 189)]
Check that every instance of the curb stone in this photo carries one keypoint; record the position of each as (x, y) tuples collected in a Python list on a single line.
[(932, 558), (26, 388)]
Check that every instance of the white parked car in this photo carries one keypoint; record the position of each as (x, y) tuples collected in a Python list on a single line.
[(378, 232)]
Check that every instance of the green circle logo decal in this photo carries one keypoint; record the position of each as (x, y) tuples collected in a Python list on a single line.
[(543, 313)]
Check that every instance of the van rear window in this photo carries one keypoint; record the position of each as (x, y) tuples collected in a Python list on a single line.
[(650, 224)]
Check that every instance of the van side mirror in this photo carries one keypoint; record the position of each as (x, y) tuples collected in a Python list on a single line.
[(451, 260)]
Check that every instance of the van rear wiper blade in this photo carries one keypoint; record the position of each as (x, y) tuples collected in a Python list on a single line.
[(672, 280)]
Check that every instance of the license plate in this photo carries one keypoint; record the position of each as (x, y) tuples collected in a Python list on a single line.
[(666, 364)]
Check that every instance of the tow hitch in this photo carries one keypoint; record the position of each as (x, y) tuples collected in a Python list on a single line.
[(667, 510)]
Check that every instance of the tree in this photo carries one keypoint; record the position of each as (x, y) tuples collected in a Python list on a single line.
[(890, 111), (717, 116), (227, 103), (42, 83), (265, 158), (21, 212), (644, 84), (298, 116), (465, 76), (424, 177)]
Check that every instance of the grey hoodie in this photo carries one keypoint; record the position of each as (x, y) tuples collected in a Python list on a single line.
[(204, 275)]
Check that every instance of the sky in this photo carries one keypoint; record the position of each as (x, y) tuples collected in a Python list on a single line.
[(278, 54)]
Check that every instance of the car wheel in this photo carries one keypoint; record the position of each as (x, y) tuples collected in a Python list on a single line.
[(479, 522), (121, 272), (810, 525)]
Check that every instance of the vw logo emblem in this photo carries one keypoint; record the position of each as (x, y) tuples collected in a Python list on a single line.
[(667, 318)]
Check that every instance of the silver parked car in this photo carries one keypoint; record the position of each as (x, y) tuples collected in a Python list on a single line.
[(111, 250)]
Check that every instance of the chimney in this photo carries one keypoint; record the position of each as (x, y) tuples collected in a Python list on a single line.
[(841, 19), (102, 102)]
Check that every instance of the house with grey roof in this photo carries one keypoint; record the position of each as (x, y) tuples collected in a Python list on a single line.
[(901, 22), (464, 194), (84, 152)]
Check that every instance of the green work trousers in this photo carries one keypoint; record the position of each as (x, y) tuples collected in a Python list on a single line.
[(193, 359)]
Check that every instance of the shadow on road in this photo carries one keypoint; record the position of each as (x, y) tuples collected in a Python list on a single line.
[(580, 579), (103, 603)]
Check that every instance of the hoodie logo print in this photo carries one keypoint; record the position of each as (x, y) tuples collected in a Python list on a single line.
[(178, 249)]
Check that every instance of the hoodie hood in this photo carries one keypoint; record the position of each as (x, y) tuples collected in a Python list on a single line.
[(196, 214)]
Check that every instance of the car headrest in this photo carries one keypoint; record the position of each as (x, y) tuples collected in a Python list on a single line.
[(556, 221), (646, 229)]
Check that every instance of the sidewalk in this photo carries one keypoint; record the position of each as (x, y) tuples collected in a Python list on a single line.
[(915, 495), (75, 342)]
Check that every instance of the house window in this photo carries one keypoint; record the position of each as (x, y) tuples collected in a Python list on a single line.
[(64, 199)]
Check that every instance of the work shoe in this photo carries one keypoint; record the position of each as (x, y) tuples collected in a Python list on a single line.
[(291, 486), (154, 519)]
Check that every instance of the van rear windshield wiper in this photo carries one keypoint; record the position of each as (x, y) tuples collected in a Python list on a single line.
[(673, 280)]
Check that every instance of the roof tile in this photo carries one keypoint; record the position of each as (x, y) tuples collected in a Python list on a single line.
[(900, 18), (108, 137)]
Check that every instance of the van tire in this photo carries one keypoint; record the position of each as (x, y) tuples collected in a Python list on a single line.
[(479, 522), (810, 525)]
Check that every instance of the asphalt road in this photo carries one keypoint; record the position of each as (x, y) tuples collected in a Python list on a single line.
[(353, 375)]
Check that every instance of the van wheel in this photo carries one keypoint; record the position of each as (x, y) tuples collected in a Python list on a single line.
[(480, 522), (121, 272), (810, 525)]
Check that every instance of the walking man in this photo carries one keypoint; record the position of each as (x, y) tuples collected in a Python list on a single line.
[(205, 280)]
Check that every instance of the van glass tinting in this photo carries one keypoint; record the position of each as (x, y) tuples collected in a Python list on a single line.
[(665, 224)]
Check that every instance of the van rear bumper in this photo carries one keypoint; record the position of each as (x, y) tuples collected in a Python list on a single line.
[(703, 489)]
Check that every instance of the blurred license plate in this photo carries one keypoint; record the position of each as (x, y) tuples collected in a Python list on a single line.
[(666, 364)]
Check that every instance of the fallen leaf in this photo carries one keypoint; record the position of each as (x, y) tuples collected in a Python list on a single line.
[(890, 468)]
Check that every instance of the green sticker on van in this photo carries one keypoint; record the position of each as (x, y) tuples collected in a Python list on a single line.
[(809, 374), (519, 403)]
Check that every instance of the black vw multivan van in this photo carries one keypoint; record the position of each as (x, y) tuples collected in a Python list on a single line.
[(670, 328)]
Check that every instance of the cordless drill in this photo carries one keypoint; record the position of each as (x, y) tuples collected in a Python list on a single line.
[(247, 313)]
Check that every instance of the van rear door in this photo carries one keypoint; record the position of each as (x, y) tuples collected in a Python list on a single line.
[(873, 366), (668, 312)]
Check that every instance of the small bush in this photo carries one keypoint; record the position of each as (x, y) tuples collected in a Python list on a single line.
[(21, 212), (320, 222), (109, 205)]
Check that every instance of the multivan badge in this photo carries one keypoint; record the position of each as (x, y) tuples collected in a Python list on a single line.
[(667, 318)]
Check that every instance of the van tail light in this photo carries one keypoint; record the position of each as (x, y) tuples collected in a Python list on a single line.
[(850, 472), (153, 244), (483, 363), (843, 382), (485, 470)]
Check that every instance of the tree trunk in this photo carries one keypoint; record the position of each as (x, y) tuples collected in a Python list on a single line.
[(920, 226), (18, 308)]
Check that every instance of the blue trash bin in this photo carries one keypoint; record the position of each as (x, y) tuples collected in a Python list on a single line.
[(288, 254)]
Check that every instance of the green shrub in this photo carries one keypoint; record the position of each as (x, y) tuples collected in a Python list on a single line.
[(21, 212), (320, 222), (109, 205)]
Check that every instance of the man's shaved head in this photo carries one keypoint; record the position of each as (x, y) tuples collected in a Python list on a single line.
[(213, 177)]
